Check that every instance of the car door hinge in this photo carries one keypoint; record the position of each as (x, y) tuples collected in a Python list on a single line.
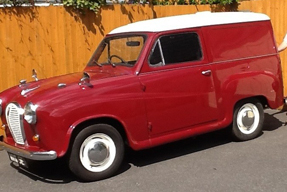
[(143, 87), (149, 125)]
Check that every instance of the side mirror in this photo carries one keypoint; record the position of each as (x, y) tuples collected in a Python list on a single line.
[(34, 74)]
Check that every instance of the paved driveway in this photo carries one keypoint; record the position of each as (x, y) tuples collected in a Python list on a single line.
[(211, 162)]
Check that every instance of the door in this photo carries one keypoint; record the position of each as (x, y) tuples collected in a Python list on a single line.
[(179, 91)]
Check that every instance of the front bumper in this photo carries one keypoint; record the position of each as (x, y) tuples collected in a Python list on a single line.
[(35, 155)]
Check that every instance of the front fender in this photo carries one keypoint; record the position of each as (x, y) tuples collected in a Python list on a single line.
[(85, 121), (130, 114)]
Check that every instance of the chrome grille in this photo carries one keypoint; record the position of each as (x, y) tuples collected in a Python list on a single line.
[(14, 117)]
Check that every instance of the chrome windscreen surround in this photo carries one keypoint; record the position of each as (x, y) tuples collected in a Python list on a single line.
[(14, 116), (1, 107)]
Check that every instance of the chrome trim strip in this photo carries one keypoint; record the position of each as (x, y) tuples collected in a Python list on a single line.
[(37, 155), (241, 59), (25, 91)]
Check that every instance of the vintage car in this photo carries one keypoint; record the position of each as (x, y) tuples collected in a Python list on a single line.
[(148, 83)]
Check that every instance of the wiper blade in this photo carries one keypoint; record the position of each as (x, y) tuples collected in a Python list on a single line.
[(100, 65), (110, 62)]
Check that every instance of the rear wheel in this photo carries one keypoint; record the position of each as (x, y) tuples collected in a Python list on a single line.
[(97, 152), (248, 120)]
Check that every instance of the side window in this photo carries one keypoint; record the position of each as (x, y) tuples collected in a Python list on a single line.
[(176, 48), (156, 56)]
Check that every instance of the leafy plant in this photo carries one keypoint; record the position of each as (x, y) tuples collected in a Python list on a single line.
[(223, 2), (95, 5), (15, 3), (203, 2), (81, 5)]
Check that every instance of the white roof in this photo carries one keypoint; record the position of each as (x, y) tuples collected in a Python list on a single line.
[(191, 20)]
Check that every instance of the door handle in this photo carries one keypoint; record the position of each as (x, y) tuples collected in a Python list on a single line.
[(206, 73)]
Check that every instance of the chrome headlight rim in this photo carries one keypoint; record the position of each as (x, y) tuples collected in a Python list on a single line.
[(30, 113)]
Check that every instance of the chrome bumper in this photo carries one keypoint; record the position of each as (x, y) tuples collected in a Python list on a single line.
[(40, 156)]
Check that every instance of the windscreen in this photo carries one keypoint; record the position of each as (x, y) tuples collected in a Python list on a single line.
[(120, 50)]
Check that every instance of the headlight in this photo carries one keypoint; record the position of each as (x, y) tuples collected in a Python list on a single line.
[(30, 113), (0, 107)]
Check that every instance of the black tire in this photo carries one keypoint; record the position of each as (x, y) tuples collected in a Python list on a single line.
[(96, 153), (248, 119)]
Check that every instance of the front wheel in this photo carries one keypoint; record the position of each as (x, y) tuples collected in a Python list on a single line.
[(97, 152), (248, 120)]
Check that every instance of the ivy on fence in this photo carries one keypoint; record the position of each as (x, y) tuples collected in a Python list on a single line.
[(95, 5), (15, 3)]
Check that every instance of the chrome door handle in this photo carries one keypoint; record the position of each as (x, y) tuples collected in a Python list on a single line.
[(206, 73)]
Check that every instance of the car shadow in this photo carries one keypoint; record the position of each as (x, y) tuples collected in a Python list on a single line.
[(57, 171), (47, 171), (194, 144), (272, 123), (179, 148)]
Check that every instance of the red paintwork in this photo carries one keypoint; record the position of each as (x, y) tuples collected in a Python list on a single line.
[(164, 104)]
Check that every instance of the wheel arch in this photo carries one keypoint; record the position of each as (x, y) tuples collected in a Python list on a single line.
[(260, 98), (230, 110), (263, 100), (101, 120)]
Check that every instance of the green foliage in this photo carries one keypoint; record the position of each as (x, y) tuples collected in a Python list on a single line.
[(161, 2), (15, 3), (204, 2), (95, 5), (81, 5), (223, 2), (142, 2)]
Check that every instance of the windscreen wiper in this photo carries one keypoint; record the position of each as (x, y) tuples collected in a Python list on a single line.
[(100, 65), (110, 62)]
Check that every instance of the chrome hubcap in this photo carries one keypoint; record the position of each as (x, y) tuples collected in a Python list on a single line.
[(248, 118), (97, 152)]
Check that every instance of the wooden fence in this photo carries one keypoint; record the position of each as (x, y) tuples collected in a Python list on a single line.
[(55, 40)]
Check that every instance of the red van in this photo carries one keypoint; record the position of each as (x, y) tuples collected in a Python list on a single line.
[(148, 83)]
